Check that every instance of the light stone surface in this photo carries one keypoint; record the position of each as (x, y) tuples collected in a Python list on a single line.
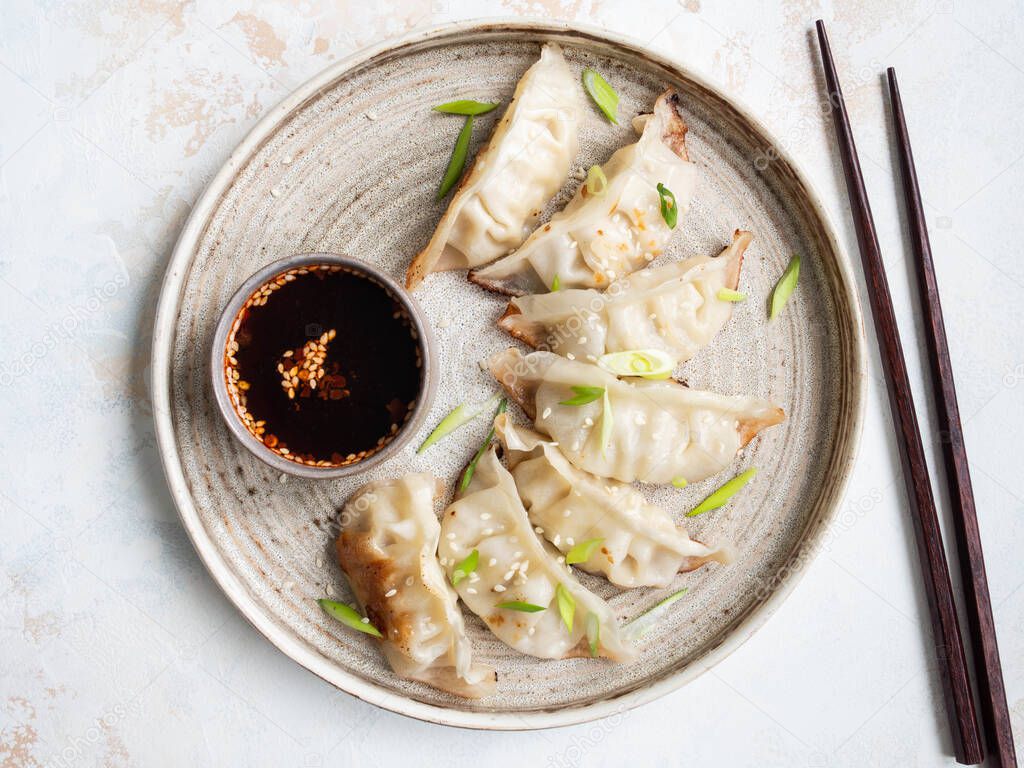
[(118, 649)]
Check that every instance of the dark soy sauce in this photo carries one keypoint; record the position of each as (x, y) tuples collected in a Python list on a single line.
[(323, 365)]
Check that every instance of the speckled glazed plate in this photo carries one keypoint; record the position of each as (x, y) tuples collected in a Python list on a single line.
[(349, 164)]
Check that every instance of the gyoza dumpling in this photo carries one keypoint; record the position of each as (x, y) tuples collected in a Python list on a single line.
[(525, 162), (598, 238), (638, 545), (658, 431), (387, 550), (674, 308), (515, 569)]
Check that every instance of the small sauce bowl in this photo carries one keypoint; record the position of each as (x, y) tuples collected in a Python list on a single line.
[(338, 355)]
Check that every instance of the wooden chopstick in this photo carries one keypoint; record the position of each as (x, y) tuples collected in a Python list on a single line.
[(987, 670), (949, 649)]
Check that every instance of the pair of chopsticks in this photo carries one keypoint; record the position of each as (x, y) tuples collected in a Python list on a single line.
[(949, 649)]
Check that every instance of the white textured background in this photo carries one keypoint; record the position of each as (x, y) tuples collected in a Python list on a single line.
[(117, 649)]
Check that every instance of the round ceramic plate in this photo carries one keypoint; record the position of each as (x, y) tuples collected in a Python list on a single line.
[(350, 164)]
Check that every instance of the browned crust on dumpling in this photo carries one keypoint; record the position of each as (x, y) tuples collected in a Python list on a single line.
[(503, 286), (674, 135), (371, 574), (741, 240), (748, 428), (513, 323)]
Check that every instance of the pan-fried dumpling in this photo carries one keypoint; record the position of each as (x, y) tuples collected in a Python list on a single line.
[(599, 238), (674, 308), (658, 431), (638, 545), (387, 550), (524, 164), (516, 568)]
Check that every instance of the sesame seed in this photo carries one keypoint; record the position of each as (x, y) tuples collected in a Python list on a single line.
[(547, 412), (409, 581), (588, 421), (492, 562), (567, 513), (570, 541), (570, 355), (391, 593), (517, 555), (470, 590), (499, 587), (538, 529), (488, 531), (485, 516), (531, 630), (450, 537)]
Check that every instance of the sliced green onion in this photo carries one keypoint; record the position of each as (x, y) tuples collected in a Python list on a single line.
[(556, 284), (597, 182), (643, 623), (604, 95), (461, 415), (669, 209), (645, 363), (728, 294), (582, 551), (471, 467), (566, 606), (606, 423), (466, 567), (458, 159), (593, 633), (515, 605), (679, 482), (466, 107), (348, 616), (785, 287), (723, 494), (584, 395)]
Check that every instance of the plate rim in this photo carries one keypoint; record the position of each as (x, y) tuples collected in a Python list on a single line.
[(162, 351)]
